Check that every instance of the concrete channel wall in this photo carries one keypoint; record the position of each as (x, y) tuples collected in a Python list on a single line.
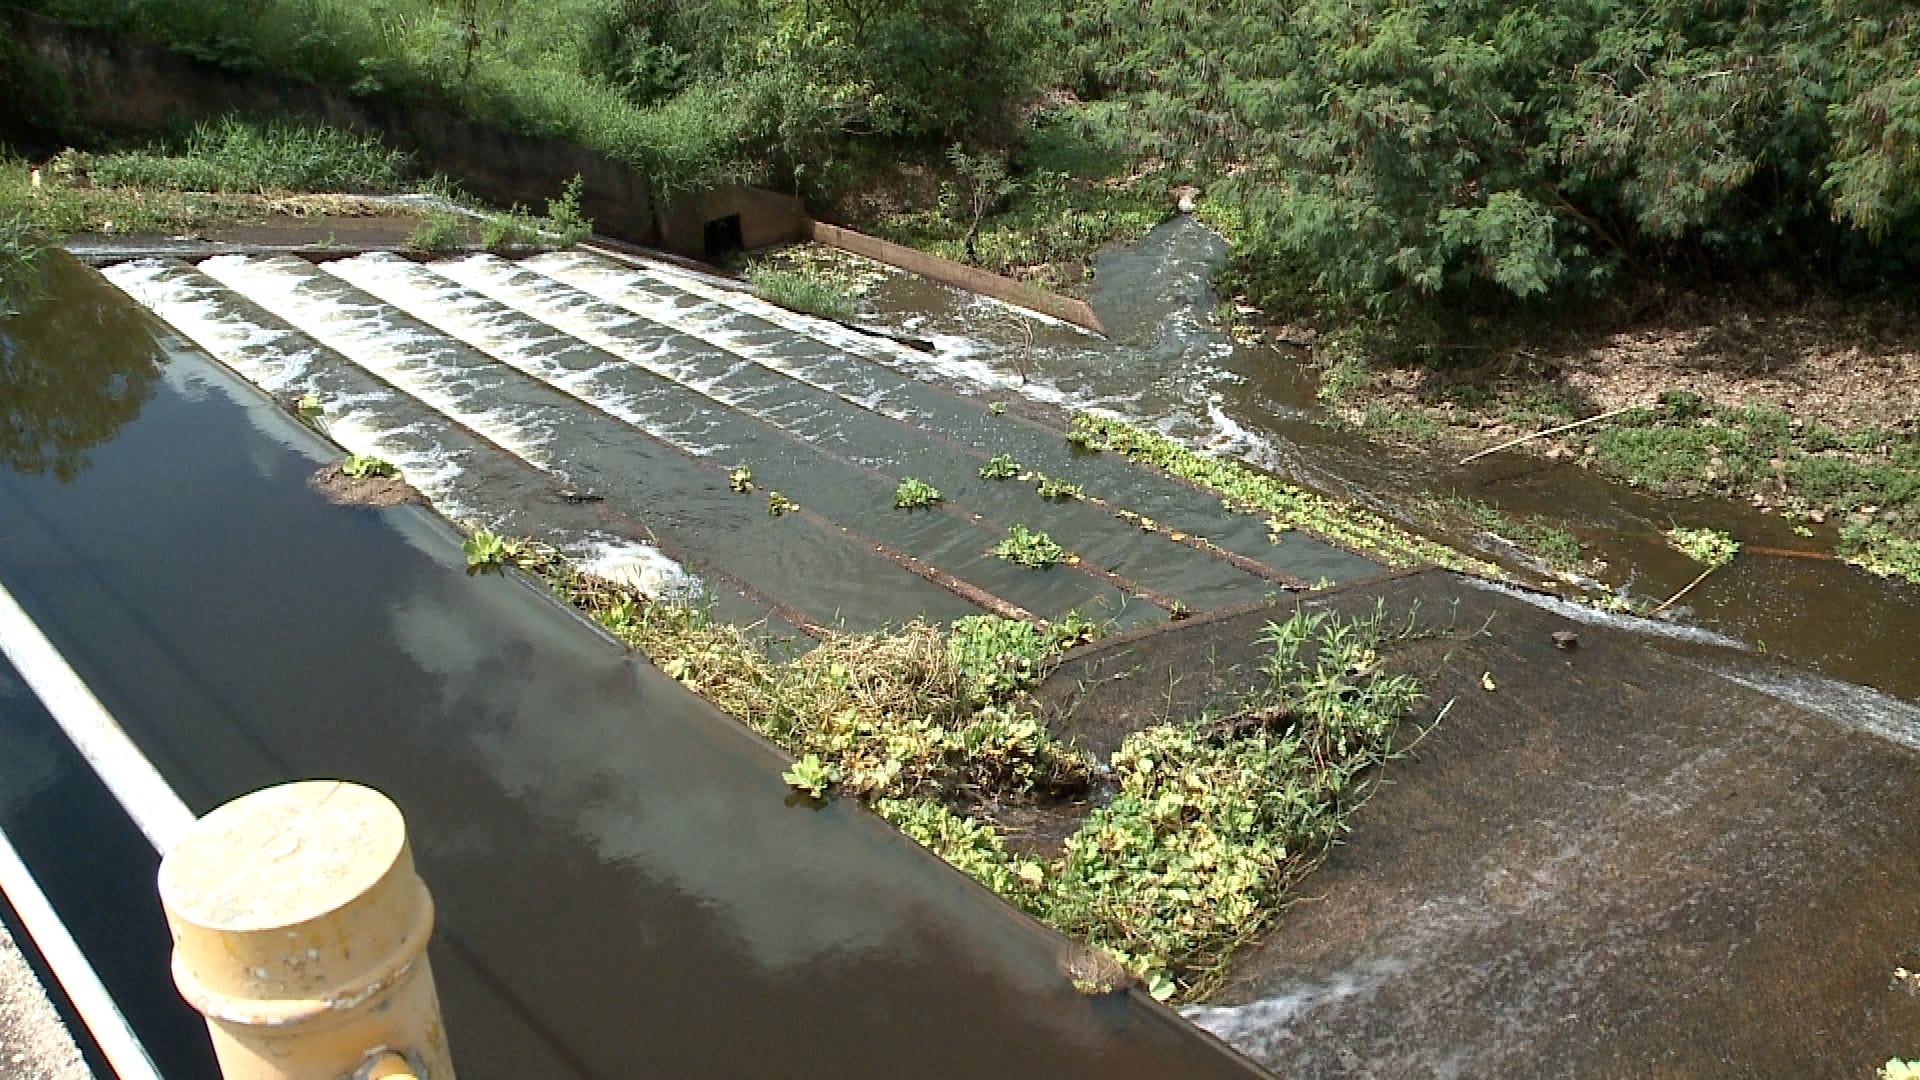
[(130, 88), (960, 275)]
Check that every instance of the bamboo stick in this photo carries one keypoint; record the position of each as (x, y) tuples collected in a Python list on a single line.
[(1550, 431), (1671, 600)]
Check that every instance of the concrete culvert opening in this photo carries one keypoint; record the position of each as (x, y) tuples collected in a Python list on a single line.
[(723, 236)]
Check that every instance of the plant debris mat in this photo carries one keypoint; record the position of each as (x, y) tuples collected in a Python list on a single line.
[(1620, 855)]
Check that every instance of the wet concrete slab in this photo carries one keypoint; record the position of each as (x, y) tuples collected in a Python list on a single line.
[(1638, 856), (626, 888)]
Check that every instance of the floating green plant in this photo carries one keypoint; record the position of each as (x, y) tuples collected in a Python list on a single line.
[(489, 552), (915, 494), (1030, 548), (1709, 547), (1000, 467), (1052, 488)]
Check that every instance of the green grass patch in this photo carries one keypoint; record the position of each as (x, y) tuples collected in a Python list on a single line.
[(57, 208), (1554, 546), (523, 68), (19, 256), (1878, 549), (1286, 506), (798, 289), (234, 156), (441, 231), (1401, 424)]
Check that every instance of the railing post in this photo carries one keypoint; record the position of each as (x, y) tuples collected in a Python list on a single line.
[(300, 932)]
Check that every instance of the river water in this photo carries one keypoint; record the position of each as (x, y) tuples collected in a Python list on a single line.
[(1168, 366)]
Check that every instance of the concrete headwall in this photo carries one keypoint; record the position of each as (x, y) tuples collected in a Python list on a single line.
[(960, 275), (130, 88), (765, 218)]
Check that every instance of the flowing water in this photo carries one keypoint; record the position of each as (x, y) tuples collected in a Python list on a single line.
[(1169, 367)]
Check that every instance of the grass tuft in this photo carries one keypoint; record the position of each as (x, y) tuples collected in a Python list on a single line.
[(798, 290), (1287, 506)]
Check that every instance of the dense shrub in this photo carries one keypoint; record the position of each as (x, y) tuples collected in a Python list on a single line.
[(695, 93), (1393, 151)]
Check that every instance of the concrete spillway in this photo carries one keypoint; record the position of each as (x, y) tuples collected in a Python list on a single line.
[(496, 386), (624, 888)]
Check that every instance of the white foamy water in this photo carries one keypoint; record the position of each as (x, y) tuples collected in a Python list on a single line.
[(281, 360), (721, 326), (641, 567), (537, 349), (1847, 704), (1595, 617), (276, 360), (598, 323), (422, 365)]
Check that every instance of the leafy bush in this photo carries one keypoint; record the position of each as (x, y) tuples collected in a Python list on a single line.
[(1390, 152)]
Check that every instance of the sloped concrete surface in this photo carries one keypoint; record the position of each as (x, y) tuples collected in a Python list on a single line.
[(34, 1044)]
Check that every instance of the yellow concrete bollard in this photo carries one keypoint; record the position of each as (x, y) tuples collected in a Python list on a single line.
[(300, 932)]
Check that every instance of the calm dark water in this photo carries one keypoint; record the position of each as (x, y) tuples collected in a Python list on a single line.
[(624, 888)]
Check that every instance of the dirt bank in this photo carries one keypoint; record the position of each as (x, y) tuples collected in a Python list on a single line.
[(1849, 365), (1808, 407)]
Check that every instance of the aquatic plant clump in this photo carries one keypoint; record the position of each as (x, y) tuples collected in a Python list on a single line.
[(1030, 548), (1877, 549), (1208, 824), (1709, 547), (361, 466), (894, 715), (916, 494), (1212, 822), (1287, 506), (1000, 467)]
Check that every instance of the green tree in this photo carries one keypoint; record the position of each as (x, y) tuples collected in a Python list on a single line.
[(1403, 152)]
